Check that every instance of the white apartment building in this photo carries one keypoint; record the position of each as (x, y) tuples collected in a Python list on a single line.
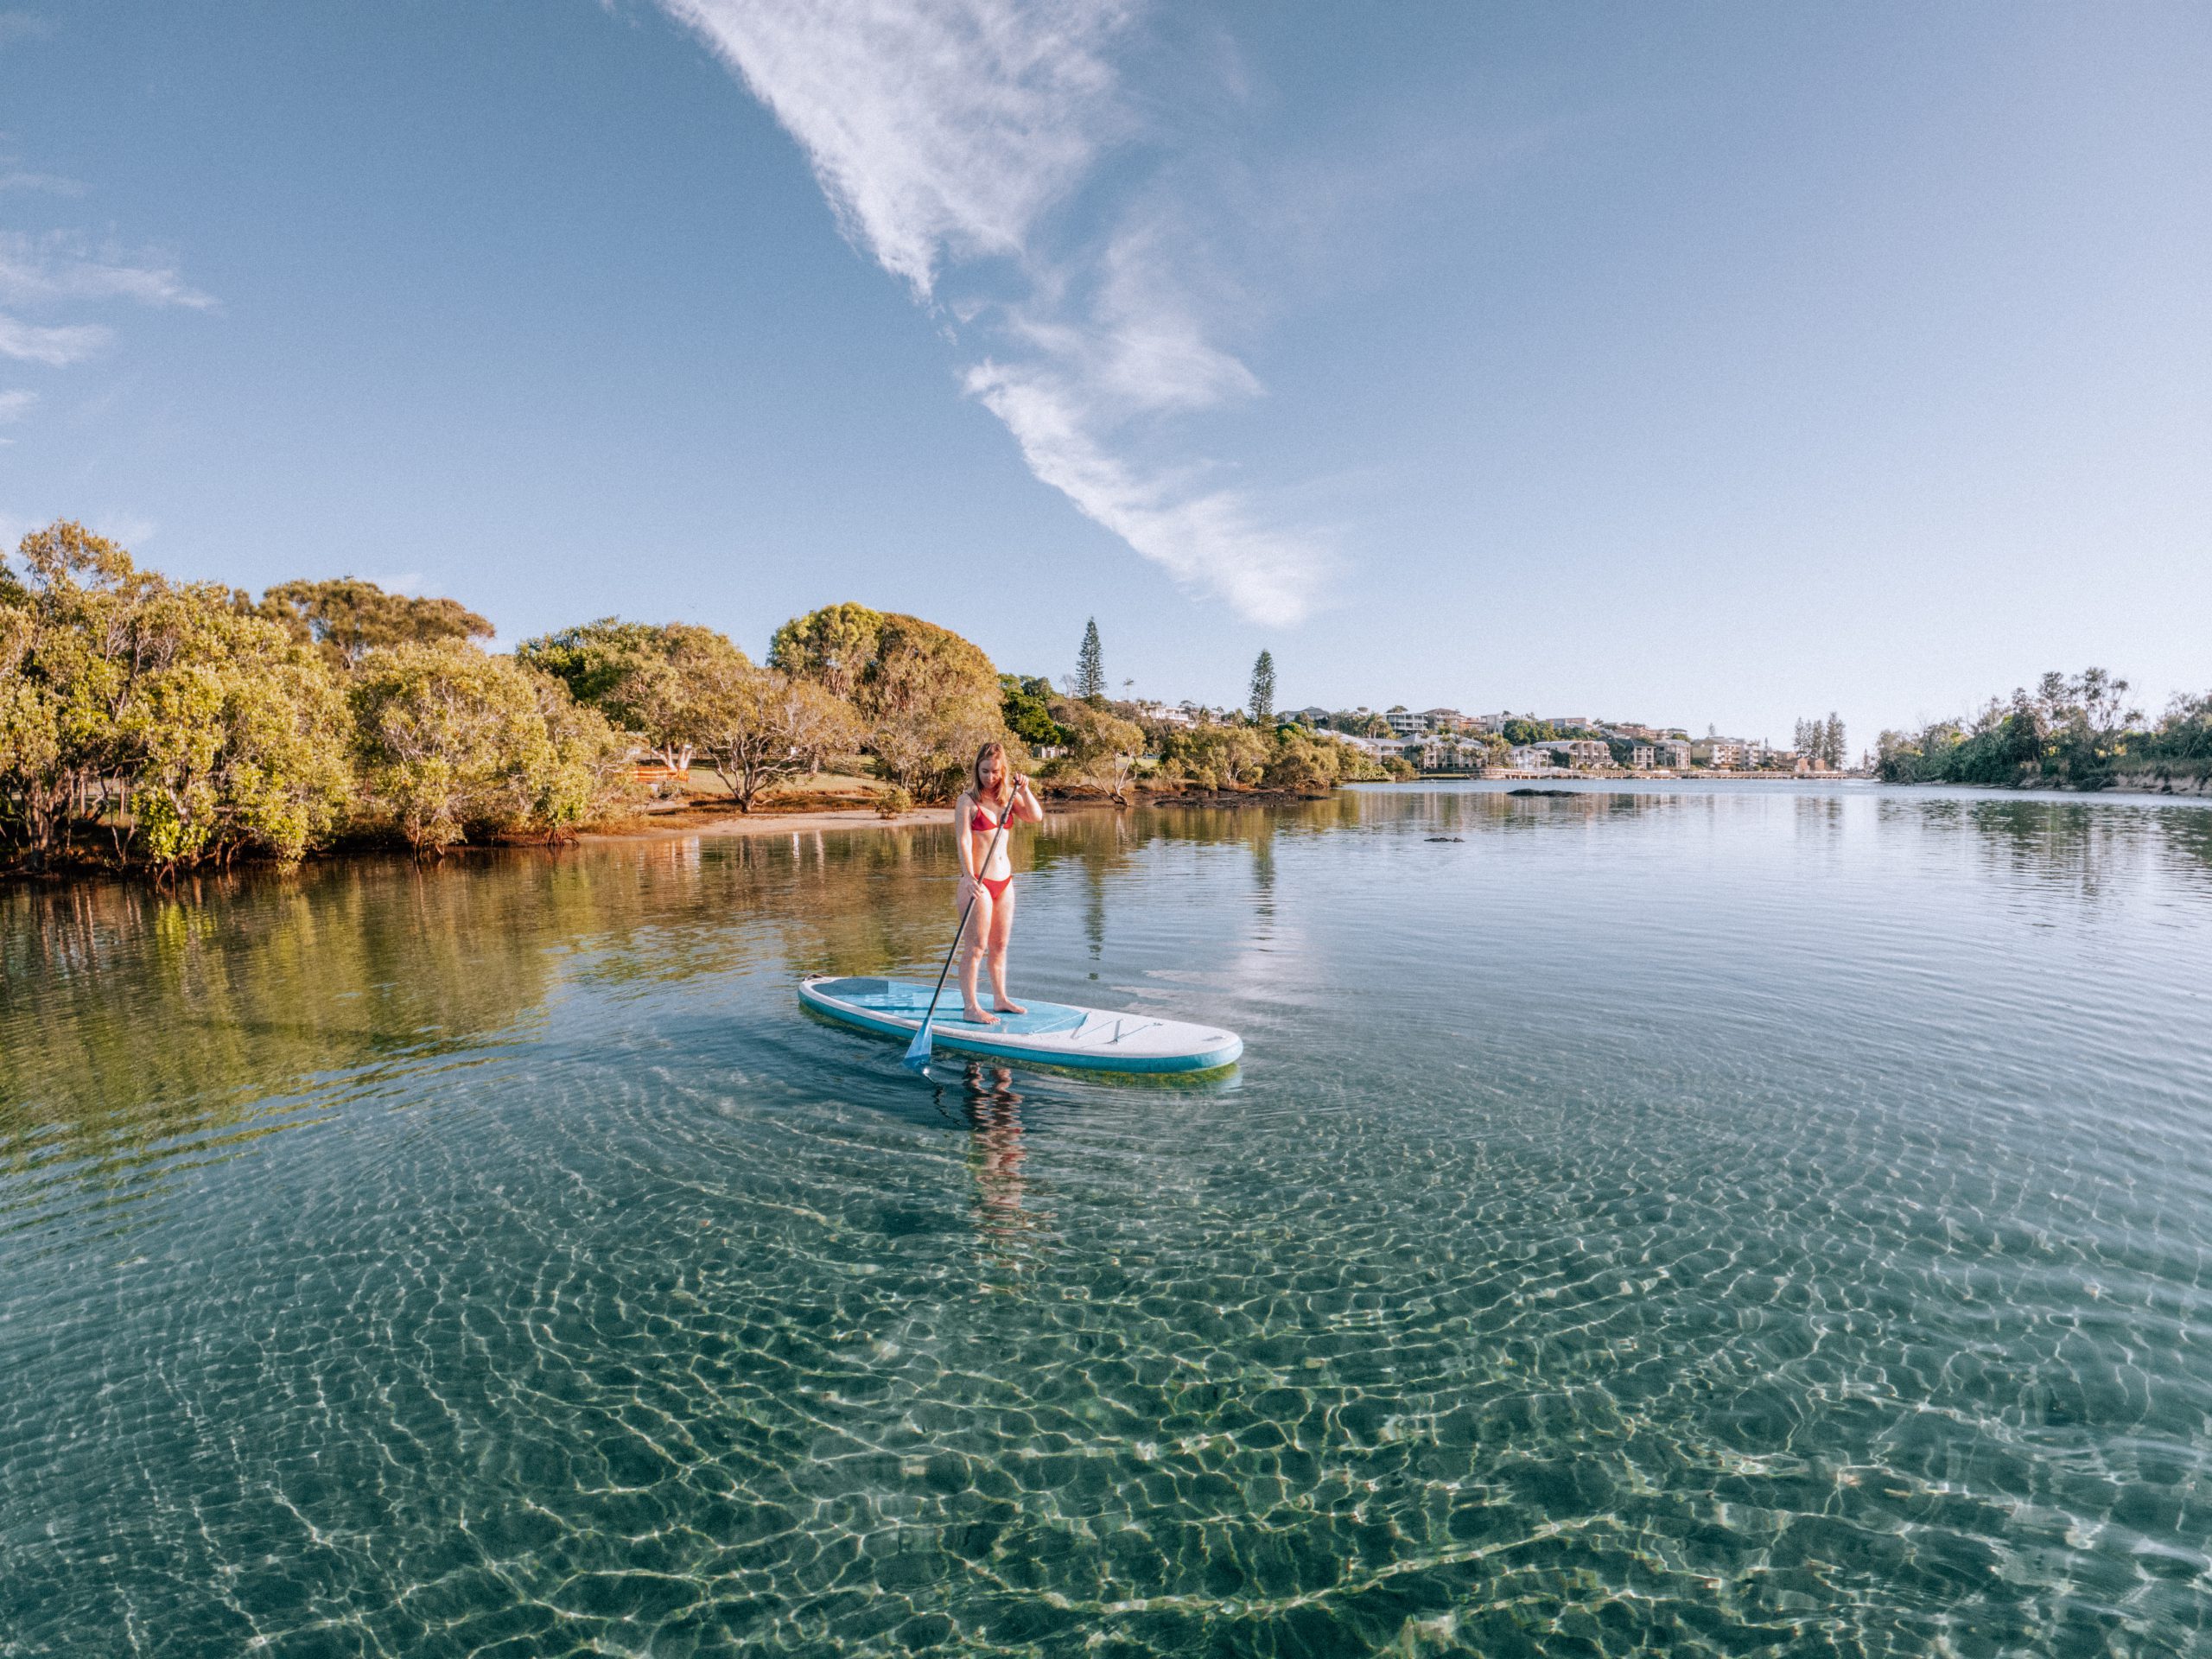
[(1671, 754), (1639, 757)]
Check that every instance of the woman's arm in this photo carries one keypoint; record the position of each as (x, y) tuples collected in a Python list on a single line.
[(961, 839), (1025, 804)]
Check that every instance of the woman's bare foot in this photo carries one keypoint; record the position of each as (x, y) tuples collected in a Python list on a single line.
[(1007, 1005), (976, 1015)]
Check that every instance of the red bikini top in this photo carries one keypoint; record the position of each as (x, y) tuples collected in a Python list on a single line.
[(980, 822)]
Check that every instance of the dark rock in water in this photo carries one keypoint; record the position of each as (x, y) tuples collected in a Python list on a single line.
[(1445, 837), (1543, 792)]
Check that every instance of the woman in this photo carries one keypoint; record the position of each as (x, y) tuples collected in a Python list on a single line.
[(994, 796)]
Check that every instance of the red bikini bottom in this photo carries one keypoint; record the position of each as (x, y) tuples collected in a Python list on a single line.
[(998, 887)]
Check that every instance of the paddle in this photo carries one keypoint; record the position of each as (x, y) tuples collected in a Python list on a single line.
[(917, 1051)]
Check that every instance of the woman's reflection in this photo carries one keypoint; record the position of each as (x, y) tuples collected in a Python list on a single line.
[(1006, 1222)]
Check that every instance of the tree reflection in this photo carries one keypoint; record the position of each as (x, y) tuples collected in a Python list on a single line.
[(2088, 848)]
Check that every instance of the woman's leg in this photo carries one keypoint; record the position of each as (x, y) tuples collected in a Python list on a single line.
[(1002, 932), (973, 944)]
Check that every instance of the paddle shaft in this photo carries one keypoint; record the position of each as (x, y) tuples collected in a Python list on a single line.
[(1006, 817)]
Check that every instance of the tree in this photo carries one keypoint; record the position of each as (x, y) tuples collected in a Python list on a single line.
[(1262, 701), (930, 701), (1026, 705), (587, 770), (1214, 754), (238, 743), (1104, 749), (451, 742), (1305, 764), (929, 698), (1090, 664), (348, 618), (118, 687), (832, 646), (643, 677), (760, 726), (73, 653), (1832, 743)]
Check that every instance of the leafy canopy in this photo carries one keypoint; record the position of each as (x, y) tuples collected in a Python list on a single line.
[(347, 618)]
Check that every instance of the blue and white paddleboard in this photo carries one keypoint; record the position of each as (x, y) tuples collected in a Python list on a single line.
[(1051, 1033)]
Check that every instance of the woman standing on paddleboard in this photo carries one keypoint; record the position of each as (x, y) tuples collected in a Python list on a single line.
[(994, 796)]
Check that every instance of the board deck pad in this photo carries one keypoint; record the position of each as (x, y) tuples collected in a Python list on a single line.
[(1053, 1033)]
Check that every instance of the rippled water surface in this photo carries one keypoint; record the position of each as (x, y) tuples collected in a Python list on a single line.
[(1754, 1221)]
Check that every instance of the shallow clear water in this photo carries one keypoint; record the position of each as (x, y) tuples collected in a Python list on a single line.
[(1750, 1220)]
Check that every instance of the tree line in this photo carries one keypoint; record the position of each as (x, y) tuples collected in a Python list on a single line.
[(2079, 732), (168, 725), (1821, 741)]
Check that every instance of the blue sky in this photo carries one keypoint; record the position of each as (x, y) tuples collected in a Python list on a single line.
[(1704, 364)]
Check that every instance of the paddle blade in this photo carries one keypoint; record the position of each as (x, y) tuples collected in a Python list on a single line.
[(917, 1051)]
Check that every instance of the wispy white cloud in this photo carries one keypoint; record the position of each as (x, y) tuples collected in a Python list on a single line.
[(15, 178), (61, 267), (14, 405), (938, 129), (1213, 539), (23, 26), (56, 348), (987, 153)]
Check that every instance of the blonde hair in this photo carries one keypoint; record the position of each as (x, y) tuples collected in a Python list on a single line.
[(1006, 773)]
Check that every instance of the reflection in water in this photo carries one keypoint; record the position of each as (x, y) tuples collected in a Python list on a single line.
[(2085, 848), (1007, 1226), (133, 1024)]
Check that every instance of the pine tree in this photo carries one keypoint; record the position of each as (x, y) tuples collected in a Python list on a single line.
[(1832, 740), (1090, 664), (1263, 689)]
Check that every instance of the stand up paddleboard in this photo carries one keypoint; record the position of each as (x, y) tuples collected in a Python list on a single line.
[(1051, 1033)]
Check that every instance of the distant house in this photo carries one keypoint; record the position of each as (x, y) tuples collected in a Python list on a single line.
[(1639, 757), (1672, 755), (1406, 724), (1723, 753), (1580, 752), (1444, 720), (1310, 716)]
